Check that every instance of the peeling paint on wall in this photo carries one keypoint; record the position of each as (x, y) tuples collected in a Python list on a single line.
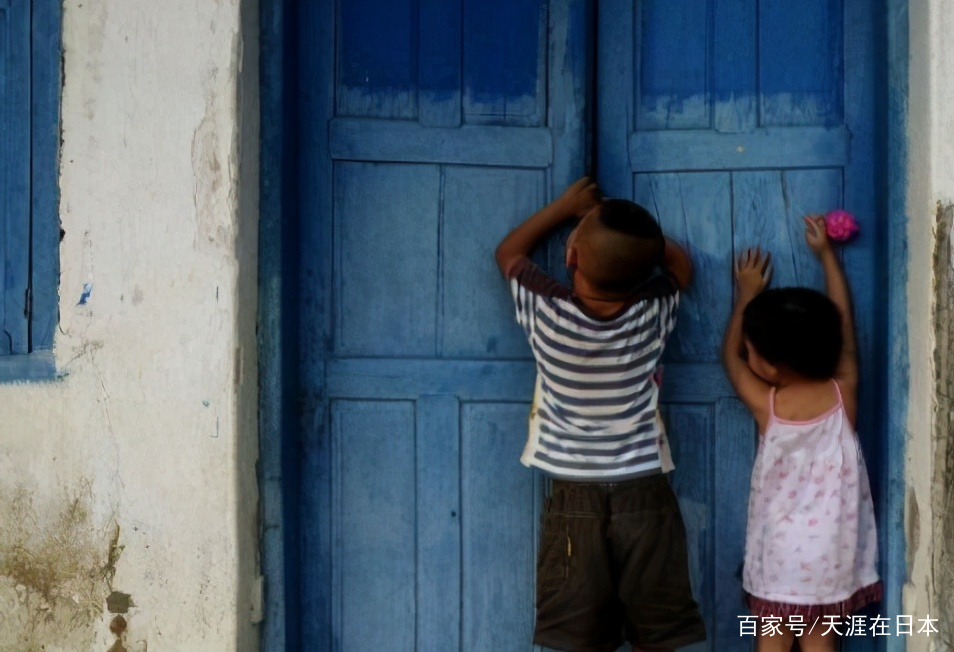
[(56, 569), (943, 486)]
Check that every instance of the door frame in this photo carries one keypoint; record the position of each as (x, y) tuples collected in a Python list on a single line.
[(291, 143)]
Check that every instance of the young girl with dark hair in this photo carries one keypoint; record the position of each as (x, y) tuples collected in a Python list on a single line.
[(811, 545)]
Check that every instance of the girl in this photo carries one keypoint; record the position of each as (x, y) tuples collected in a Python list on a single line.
[(810, 545)]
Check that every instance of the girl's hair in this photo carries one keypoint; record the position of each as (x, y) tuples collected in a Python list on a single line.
[(797, 328)]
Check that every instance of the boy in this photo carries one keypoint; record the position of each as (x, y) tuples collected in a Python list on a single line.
[(613, 564)]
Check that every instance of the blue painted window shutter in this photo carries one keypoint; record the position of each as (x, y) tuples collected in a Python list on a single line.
[(29, 229)]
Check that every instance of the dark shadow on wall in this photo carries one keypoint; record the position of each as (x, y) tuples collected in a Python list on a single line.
[(249, 590)]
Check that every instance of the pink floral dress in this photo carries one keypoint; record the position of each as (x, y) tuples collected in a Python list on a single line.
[(811, 547)]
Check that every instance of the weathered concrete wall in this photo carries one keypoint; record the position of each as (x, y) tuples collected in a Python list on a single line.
[(127, 487), (943, 498), (929, 517)]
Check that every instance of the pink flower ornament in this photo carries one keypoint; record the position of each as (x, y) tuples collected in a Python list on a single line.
[(840, 225)]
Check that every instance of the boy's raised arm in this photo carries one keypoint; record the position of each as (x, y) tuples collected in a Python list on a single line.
[(678, 263), (576, 201)]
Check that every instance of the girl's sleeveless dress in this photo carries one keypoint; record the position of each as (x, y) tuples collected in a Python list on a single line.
[(811, 547)]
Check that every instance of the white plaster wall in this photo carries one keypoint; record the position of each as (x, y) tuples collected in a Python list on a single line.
[(930, 180), (152, 428)]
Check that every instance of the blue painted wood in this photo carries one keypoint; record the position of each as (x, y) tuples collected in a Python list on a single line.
[(499, 512), (439, 63), (735, 65), (46, 82), (439, 513), (775, 147), (273, 418), (475, 316), (38, 365), (504, 378), (377, 58), (696, 211), (801, 62), (615, 115), (673, 90), (691, 434), (504, 62), (496, 380), (893, 275), (382, 240), (768, 212), (387, 275), (374, 524), (407, 142), (733, 453), (815, 147), (308, 257), (15, 195)]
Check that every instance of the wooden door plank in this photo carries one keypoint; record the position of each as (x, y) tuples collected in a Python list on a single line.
[(504, 54), (374, 524), (810, 33), (439, 63), (673, 65), (499, 512), (408, 142), (770, 148), (386, 263), (478, 313), (695, 210), (734, 65), (690, 432), (733, 453), (377, 44), (438, 523)]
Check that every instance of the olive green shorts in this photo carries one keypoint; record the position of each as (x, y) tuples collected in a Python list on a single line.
[(613, 566)]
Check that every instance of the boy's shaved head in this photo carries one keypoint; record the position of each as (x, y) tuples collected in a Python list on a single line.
[(622, 246)]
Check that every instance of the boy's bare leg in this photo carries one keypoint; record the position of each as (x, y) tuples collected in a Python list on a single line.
[(817, 642), (777, 643)]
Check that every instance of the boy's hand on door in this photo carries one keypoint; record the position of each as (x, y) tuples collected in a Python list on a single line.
[(581, 197)]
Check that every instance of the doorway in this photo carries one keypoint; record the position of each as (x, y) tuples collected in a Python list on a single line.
[(419, 132)]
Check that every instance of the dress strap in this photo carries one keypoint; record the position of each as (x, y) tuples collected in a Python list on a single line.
[(841, 401), (772, 403)]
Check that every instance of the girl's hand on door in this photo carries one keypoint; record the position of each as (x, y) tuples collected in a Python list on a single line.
[(816, 235), (753, 271)]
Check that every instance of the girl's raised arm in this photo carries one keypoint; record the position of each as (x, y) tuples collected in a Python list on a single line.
[(752, 273), (837, 289)]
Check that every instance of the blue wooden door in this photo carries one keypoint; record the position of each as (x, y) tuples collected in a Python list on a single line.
[(446, 124), (729, 120), (429, 129)]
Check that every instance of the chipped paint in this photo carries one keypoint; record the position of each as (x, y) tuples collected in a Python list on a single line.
[(149, 193), (943, 494), (56, 568), (84, 297)]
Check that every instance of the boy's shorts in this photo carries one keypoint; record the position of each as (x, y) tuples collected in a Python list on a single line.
[(612, 566)]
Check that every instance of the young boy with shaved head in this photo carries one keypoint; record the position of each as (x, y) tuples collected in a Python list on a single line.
[(613, 564)]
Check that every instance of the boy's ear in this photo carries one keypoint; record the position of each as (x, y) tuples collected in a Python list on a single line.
[(572, 256)]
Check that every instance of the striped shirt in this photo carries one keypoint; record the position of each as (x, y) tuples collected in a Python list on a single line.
[(595, 415)]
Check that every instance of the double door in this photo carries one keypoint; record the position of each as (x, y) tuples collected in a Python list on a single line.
[(432, 127)]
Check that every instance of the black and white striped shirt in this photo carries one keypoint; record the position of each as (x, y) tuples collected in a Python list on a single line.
[(595, 414)]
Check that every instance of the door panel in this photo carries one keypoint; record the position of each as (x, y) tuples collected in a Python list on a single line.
[(730, 120), (448, 126)]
